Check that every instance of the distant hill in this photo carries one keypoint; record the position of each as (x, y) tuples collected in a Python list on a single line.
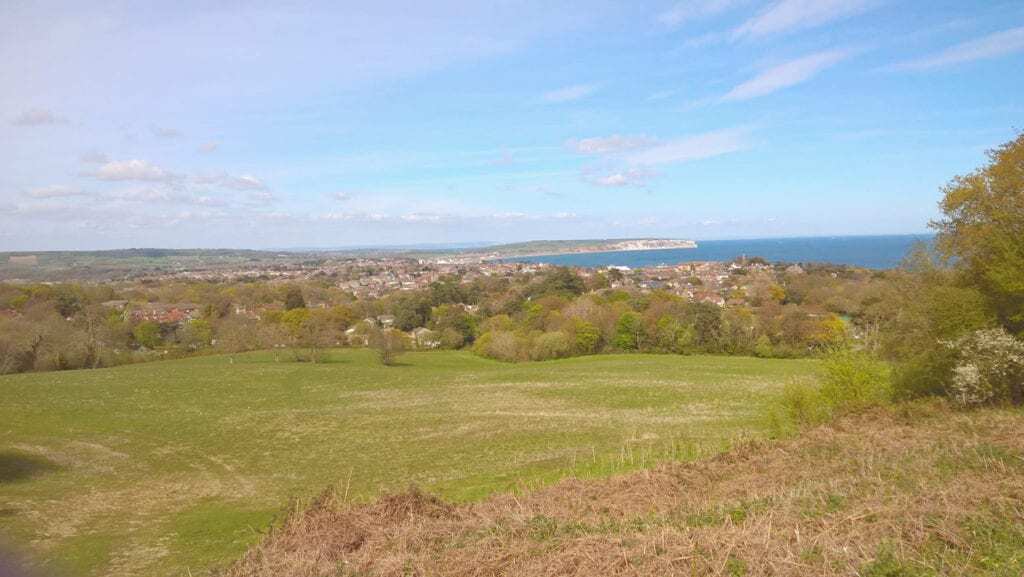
[(550, 247)]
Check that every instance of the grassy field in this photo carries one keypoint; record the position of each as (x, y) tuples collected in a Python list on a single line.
[(916, 490), (176, 467)]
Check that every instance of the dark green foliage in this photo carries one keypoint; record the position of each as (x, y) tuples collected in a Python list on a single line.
[(293, 299)]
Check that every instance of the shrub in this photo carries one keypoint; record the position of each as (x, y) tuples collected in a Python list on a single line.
[(500, 345), (850, 381), (804, 404), (989, 369), (551, 345), (854, 380)]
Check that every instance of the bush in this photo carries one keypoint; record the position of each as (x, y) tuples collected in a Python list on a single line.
[(500, 345), (551, 345), (989, 369), (850, 381), (854, 380), (804, 404)]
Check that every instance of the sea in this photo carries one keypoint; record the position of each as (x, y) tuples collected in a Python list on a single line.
[(874, 252)]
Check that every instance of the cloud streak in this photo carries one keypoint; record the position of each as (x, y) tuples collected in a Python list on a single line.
[(695, 147), (694, 10), (128, 170), (991, 46), (609, 144), (785, 75), (790, 15)]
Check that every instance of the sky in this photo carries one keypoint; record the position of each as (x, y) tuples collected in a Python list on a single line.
[(273, 125)]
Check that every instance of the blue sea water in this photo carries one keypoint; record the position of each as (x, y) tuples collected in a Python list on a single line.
[(876, 252)]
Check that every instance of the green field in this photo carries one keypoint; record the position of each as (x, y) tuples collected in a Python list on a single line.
[(175, 467)]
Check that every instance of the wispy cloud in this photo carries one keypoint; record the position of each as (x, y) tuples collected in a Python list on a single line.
[(788, 15), (694, 10), (695, 147), (245, 182), (55, 191), (208, 147), (37, 117), (609, 144), (991, 46), (785, 75), (140, 170), (570, 93), (625, 177)]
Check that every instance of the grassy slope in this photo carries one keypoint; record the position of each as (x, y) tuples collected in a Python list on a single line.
[(913, 492), (157, 468)]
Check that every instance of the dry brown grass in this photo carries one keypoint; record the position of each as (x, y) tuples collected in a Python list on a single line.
[(917, 490)]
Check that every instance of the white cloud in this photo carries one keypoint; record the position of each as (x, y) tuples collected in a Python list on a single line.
[(609, 144), (785, 75), (245, 182), (788, 15), (208, 147), (340, 196), (55, 191), (570, 93), (37, 117), (693, 10), (693, 147), (132, 170), (991, 46), (625, 177)]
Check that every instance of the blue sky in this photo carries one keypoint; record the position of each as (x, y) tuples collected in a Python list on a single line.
[(205, 124)]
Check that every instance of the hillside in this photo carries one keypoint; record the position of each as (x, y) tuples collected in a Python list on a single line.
[(176, 467), (921, 491)]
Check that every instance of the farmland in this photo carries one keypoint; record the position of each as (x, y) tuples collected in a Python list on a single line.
[(176, 467)]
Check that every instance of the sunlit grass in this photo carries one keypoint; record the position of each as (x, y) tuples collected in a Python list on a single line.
[(176, 466)]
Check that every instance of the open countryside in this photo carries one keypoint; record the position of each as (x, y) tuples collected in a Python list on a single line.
[(167, 467)]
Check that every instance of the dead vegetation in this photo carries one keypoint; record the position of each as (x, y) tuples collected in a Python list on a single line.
[(919, 490)]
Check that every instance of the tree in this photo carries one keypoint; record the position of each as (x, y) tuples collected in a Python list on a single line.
[(628, 332), (707, 326), (983, 230), (389, 344), (316, 333), (561, 281), (196, 334), (147, 334), (293, 299)]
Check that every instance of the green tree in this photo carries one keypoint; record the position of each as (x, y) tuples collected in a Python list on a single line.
[(389, 344), (983, 230), (196, 334), (293, 299), (147, 334), (628, 331)]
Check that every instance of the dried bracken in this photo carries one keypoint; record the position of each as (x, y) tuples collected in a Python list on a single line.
[(923, 488)]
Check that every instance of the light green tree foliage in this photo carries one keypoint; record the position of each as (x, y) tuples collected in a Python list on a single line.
[(983, 229), (147, 334)]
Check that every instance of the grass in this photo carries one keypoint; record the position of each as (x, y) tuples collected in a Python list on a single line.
[(178, 467), (869, 494)]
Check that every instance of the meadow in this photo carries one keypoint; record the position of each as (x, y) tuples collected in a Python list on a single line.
[(176, 467)]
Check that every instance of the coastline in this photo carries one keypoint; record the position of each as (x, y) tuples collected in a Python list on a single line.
[(595, 251)]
